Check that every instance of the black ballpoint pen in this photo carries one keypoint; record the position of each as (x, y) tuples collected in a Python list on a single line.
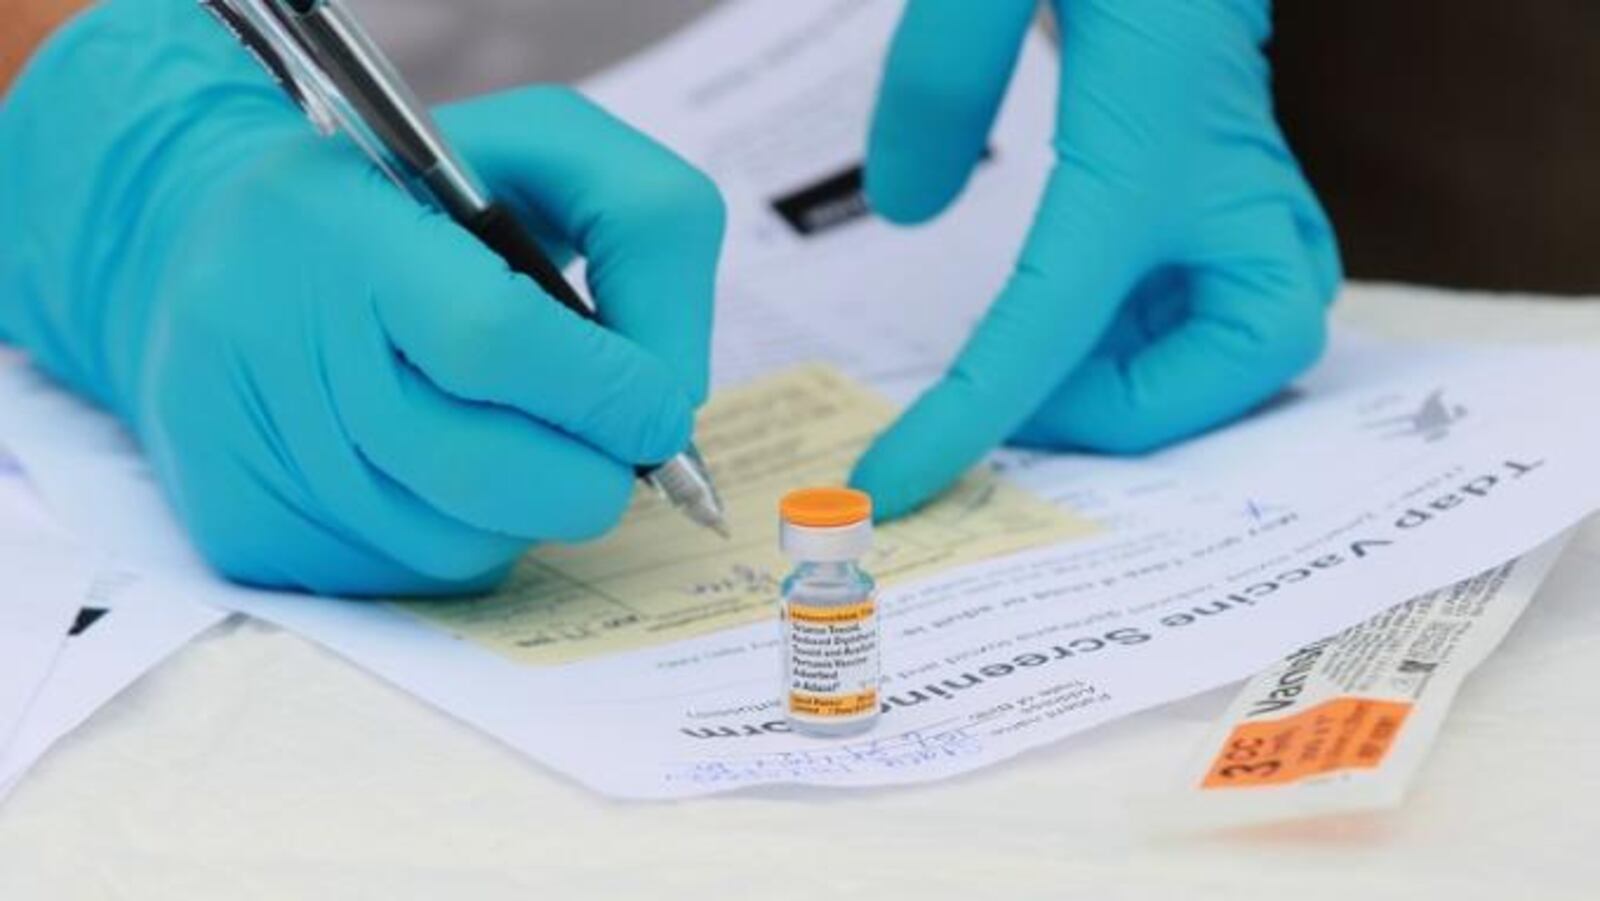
[(325, 60)]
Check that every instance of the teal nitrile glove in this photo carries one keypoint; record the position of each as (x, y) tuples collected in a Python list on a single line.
[(1179, 266), (341, 390)]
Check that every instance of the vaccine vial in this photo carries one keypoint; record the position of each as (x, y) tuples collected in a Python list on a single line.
[(830, 613)]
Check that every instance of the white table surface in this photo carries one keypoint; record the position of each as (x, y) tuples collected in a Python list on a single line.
[(256, 765)]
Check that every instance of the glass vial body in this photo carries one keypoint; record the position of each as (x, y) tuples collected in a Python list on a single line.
[(831, 650)]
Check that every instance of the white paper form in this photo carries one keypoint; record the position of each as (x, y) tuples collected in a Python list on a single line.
[(773, 100)]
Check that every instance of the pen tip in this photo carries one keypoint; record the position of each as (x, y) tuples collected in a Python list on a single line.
[(721, 528)]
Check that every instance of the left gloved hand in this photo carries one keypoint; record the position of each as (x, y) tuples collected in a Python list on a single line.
[(1179, 266)]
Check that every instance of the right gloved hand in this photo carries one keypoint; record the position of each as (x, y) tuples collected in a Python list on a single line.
[(340, 390)]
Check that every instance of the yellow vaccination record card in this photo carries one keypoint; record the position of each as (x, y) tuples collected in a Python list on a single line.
[(658, 579)]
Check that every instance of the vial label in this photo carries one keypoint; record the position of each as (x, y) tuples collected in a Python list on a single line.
[(833, 661)]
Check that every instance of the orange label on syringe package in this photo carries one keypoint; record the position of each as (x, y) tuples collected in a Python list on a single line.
[(1341, 734)]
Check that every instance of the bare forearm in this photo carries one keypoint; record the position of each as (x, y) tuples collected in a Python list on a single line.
[(24, 25)]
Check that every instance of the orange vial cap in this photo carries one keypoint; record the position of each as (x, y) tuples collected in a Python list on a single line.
[(825, 508)]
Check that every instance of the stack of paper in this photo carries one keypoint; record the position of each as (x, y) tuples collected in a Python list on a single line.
[(75, 628)]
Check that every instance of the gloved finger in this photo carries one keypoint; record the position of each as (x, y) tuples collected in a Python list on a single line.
[(649, 224), (482, 333), (1079, 262), (487, 467), (947, 72), (1255, 320)]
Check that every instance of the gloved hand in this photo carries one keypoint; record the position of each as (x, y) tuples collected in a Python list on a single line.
[(1178, 268), (338, 389)]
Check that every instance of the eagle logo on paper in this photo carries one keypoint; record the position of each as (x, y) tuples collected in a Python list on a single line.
[(1431, 421)]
